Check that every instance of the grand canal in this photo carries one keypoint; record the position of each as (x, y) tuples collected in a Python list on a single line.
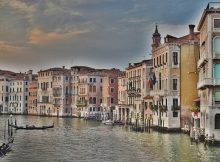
[(79, 140)]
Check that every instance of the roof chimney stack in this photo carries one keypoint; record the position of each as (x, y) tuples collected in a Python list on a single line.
[(191, 31)]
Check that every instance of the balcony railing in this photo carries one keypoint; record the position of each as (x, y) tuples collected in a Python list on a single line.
[(175, 107), (205, 82), (158, 92), (81, 103), (134, 92)]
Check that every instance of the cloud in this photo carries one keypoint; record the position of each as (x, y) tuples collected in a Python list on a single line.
[(39, 37), (6, 47)]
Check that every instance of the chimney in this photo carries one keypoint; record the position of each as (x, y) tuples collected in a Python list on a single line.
[(30, 75), (191, 31), (63, 67)]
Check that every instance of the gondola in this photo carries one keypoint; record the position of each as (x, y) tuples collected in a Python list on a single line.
[(32, 127), (7, 145)]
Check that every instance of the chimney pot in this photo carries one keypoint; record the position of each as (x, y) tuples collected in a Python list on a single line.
[(191, 31)]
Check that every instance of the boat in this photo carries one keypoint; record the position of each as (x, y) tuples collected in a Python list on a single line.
[(6, 146), (32, 127), (108, 122)]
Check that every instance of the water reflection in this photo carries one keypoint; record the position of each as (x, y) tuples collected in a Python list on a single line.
[(79, 140)]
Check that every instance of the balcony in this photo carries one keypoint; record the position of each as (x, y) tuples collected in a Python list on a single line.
[(216, 56), (158, 93), (81, 103), (205, 83), (133, 92), (175, 107), (203, 59)]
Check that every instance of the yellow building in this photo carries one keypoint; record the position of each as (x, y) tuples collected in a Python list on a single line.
[(174, 78)]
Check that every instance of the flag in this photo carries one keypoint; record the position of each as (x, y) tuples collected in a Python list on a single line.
[(154, 79)]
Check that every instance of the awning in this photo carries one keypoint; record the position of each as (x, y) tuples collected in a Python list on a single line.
[(197, 99)]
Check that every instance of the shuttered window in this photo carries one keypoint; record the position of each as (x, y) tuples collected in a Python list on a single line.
[(217, 45), (217, 96)]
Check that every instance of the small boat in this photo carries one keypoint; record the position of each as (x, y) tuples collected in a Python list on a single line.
[(32, 127), (108, 122)]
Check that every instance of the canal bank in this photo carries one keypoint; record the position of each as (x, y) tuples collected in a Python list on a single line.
[(75, 139)]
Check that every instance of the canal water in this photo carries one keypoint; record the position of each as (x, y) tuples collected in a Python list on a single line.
[(79, 140)]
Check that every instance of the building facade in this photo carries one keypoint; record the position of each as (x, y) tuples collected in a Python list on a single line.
[(54, 93), (209, 71), (174, 78)]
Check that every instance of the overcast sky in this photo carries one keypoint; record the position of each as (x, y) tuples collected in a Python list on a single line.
[(39, 34)]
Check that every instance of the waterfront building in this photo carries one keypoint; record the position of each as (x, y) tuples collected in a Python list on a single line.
[(135, 87), (32, 94), (110, 91), (53, 94), (5, 77), (122, 108), (93, 90), (79, 88), (32, 98), (174, 78), (209, 70)]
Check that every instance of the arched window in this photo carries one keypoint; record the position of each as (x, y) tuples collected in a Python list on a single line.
[(90, 100), (94, 100), (217, 45), (217, 121)]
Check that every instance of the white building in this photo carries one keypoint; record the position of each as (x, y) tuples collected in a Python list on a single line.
[(209, 71), (54, 93), (14, 93)]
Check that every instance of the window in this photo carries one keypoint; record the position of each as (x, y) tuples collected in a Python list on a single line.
[(101, 88), (90, 80), (100, 100), (112, 90), (90, 109), (90, 88), (216, 23), (112, 100), (94, 80), (101, 80), (174, 84), (217, 121), (112, 80), (217, 45), (94, 100), (217, 72), (94, 88), (175, 58), (175, 113), (217, 96), (175, 101)]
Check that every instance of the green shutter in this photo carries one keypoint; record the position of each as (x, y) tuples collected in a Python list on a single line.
[(217, 96), (217, 71), (217, 45)]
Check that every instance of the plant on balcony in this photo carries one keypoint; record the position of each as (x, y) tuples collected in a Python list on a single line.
[(81, 103), (162, 108), (195, 109), (154, 107), (175, 108)]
